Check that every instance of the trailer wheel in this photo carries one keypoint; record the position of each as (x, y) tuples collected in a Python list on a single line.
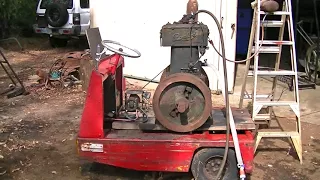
[(206, 164)]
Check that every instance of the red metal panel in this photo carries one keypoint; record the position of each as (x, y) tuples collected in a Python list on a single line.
[(161, 151), (108, 65), (247, 152), (91, 125)]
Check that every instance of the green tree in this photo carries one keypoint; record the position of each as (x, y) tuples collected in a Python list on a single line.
[(17, 14)]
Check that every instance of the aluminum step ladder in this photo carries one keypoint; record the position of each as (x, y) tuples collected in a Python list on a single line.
[(258, 46)]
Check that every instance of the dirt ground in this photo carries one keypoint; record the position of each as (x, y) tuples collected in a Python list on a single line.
[(38, 131)]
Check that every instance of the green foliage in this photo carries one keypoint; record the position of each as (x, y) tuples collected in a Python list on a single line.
[(18, 12)]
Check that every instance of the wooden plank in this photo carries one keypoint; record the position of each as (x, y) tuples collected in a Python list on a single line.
[(242, 119), (86, 67)]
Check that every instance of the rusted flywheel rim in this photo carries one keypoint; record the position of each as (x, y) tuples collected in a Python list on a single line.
[(165, 74), (189, 78)]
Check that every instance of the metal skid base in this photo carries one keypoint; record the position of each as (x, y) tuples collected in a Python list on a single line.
[(217, 122)]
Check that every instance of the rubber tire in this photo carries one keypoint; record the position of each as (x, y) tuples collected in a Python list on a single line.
[(56, 42), (200, 158), (63, 14)]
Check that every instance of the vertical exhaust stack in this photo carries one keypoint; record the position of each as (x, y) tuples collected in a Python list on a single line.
[(192, 7)]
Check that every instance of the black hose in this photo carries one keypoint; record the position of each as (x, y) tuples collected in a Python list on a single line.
[(225, 88)]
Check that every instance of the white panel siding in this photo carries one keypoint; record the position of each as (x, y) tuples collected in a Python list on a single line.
[(137, 24)]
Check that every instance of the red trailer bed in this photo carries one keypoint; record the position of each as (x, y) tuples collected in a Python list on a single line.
[(162, 151), (147, 145)]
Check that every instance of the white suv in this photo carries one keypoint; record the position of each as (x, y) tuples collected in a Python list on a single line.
[(62, 20)]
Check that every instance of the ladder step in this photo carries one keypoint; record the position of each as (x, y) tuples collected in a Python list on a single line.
[(272, 73), (276, 73), (266, 49), (258, 96), (278, 134), (272, 23), (275, 103), (262, 117), (270, 42), (276, 13)]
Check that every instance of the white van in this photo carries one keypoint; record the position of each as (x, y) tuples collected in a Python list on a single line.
[(62, 20)]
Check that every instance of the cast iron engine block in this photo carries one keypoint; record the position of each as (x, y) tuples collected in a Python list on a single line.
[(182, 100), (187, 41)]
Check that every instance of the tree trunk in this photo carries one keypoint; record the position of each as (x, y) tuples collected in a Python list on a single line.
[(4, 29)]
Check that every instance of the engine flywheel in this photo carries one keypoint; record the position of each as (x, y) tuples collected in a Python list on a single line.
[(182, 102)]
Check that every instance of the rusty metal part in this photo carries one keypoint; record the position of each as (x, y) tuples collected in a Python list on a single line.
[(169, 96), (43, 76), (69, 63), (179, 34), (192, 7), (56, 83), (182, 105), (66, 69), (72, 61), (203, 75)]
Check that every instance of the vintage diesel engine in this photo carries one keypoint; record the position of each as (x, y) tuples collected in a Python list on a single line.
[(182, 101)]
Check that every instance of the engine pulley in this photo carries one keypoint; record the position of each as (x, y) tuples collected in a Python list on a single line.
[(182, 102)]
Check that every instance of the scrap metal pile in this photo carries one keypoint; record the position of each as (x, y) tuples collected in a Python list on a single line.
[(64, 72)]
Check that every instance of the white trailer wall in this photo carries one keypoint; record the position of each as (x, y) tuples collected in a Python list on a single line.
[(137, 24)]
